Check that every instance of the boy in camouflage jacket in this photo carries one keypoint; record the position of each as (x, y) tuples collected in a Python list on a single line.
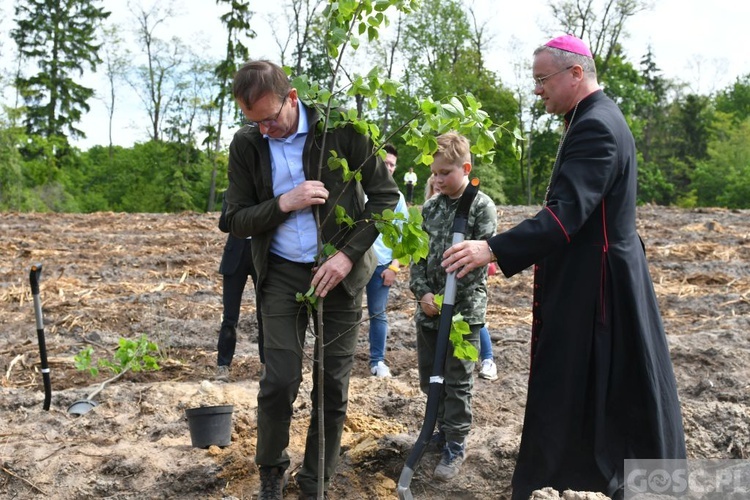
[(450, 169)]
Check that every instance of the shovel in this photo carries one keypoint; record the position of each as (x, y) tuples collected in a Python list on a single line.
[(460, 221), (85, 405), (34, 274)]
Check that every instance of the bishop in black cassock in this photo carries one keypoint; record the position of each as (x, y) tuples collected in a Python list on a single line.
[(601, 384)]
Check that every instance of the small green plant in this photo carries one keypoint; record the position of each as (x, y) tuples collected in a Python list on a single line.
[(462, 348), (136, 355), (309, 299)]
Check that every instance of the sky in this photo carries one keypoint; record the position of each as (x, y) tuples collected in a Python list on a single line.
[(698, 42)]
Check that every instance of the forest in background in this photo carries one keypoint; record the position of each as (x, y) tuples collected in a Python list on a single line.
[(694, 149)]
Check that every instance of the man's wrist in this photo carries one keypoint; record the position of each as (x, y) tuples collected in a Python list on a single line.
[(282, 204), (493, 258)]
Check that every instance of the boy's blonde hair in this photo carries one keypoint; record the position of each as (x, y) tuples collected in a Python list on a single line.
[(453, 148)]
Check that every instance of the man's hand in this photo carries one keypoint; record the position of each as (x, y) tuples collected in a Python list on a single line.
[(302, 196), (330, 273), (466, 256)]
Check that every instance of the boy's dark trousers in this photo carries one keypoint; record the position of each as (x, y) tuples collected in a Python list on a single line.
[(454, 411)]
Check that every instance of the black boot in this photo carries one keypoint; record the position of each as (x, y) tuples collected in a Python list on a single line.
[(227, 343), (273, 480)]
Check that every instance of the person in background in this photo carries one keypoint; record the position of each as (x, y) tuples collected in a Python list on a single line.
[(275, 191), (410, 181), (487, 366), (451, 167), (235, 267), (601, 385), (429, 188), (379, 286)]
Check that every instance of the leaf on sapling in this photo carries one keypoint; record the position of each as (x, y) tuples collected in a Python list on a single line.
[(428, 107), (328, 250), (460, 327), (438, 300), (390, 87), (83, 361), (342, 217), (466, 351), (462, 348), (308, 298), (360, 126)]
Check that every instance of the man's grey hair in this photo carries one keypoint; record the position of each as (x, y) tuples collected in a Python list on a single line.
[(565, 58)]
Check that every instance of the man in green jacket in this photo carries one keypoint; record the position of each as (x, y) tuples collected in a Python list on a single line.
[(279, 182)]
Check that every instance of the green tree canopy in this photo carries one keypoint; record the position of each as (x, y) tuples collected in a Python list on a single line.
[(59, 36), (735, 100)]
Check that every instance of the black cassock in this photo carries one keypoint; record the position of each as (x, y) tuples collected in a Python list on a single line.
[(601, 386)]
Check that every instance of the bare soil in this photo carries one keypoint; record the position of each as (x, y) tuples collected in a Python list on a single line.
[(112, 275)]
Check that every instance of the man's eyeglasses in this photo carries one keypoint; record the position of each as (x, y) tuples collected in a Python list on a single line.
[(539, 80), (269, 122)]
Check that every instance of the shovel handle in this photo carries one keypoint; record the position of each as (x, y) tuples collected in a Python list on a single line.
[(34, 275)]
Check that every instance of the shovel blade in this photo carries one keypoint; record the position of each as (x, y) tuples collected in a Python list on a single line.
[(404, 481), (81, 407)]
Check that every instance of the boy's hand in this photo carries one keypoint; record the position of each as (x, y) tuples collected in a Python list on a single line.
[(427, 302)]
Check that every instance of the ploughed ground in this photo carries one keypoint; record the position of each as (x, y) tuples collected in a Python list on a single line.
[(112, 275)]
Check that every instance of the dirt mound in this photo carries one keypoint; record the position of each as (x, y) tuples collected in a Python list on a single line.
[(112, 275)]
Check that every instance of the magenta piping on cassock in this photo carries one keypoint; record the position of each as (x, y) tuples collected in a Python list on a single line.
[(567, 237)]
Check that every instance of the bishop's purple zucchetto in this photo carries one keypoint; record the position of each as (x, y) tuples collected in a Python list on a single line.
[(570, 43)]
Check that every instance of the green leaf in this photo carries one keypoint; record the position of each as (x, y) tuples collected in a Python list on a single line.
[(438, 299), (462, 348), (465, 350), (390, 87), (360, 127), (372, 33), (428, 107), (308, 298), (374, 131), (328, 250), (342, 217)]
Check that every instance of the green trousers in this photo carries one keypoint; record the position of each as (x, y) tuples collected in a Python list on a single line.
[(285, 322)]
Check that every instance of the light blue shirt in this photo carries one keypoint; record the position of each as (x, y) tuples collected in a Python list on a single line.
[(295, 239), (382, 252)]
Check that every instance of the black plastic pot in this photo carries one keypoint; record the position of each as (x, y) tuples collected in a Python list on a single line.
[(210, 425)]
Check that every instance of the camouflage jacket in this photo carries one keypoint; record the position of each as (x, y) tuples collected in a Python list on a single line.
[(429, 276)]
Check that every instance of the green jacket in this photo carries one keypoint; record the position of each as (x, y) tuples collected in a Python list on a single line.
[(253, 208)]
